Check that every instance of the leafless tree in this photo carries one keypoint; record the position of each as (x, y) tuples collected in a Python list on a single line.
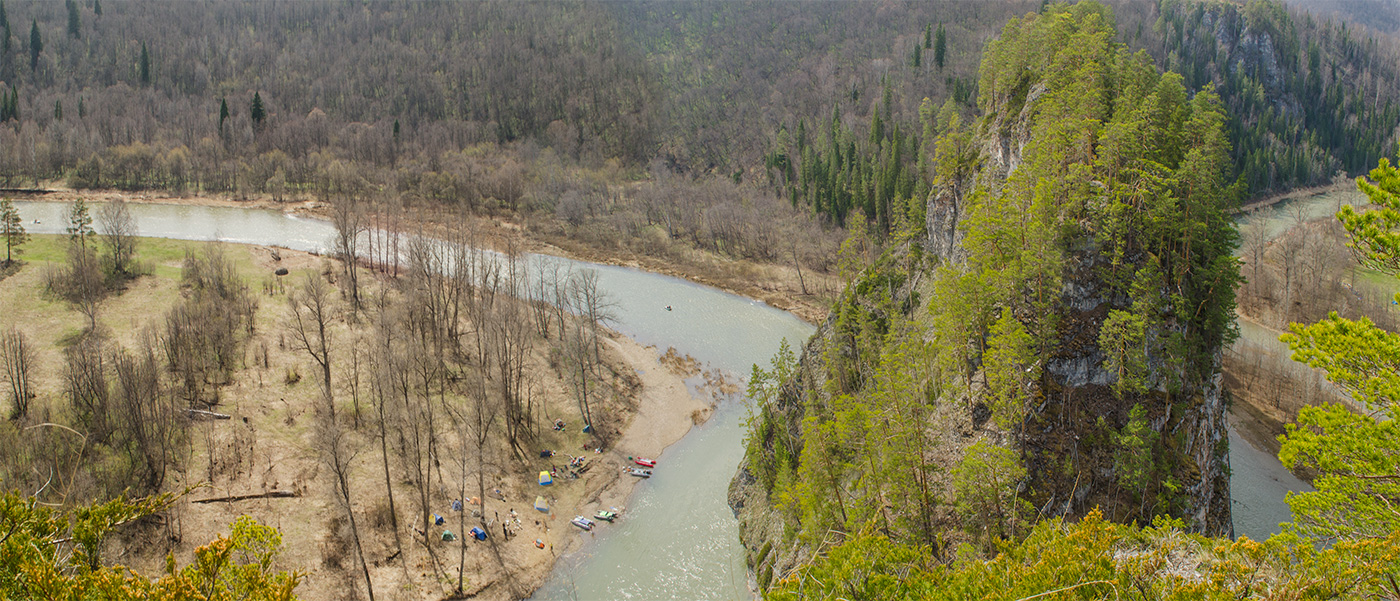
[(508, 330), (1256, 245), (338, 453), (119, 233), (383, 387), (145, 416), (85, 386), (79, 281), (312, 313), (347, 215), (17, 358)]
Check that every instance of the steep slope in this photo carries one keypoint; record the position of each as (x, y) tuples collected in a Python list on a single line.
[(1051, 346)]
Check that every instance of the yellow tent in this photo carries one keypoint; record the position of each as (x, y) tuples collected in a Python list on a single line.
[(545, 478)]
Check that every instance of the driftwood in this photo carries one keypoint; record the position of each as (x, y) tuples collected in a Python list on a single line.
[(200, 413), (275, 494)]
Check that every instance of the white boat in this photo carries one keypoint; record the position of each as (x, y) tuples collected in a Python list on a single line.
[(582, 522)]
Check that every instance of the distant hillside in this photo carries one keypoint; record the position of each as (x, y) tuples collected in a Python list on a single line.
[(132, 95), (1381, 15), (1308, 98)]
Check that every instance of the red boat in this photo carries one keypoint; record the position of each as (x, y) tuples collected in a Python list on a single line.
[(644, 462)]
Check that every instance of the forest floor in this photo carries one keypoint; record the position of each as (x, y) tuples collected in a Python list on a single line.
[(269, 444), (807, 295)]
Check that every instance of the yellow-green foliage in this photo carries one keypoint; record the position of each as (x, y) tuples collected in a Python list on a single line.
[(1098, 559), (51, 554)]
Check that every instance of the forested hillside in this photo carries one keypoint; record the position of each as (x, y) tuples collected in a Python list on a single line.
[(452, 102), (1308, 98), (988, 404), (1054, 347)]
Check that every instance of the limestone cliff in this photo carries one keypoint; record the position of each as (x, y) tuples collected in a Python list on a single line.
[(1067, 306)]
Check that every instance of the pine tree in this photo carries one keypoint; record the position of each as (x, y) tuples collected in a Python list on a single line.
[(82, 110), (918, 57), (940, 47), (36, 45), (223, 113), (74, 24), (145, 65), (11, 229), (255, 110), (58, 110), (928, 37), (4, 19), (97, 7), (79, 227)]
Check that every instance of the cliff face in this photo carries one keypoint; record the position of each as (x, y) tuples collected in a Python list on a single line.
[(1050, 347)]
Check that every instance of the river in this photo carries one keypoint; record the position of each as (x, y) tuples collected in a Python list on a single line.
[(679, 539)]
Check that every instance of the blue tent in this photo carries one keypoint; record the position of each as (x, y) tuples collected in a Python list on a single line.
[(478, 533)]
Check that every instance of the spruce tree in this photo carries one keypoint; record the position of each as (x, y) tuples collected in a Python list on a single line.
[(74, 24), (255, 111), (918, 57), (940, 47), (82, 110), (223, 113), (928, 37), (36, 45), (58, 110), (145, 65), (97, 7)]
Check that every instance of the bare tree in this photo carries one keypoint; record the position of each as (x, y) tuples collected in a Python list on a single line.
[(582, 346), (312, 312), (1256, 244), (348, 218), (508, 331), (383, 388), (79, 281), (17, 358), (145, 416), (85, 385), (118, 231), (338, 453), (1290, 246)]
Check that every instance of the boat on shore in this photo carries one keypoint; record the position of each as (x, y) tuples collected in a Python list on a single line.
[(639, 472), (644, 462), (582, 522), (606, 516)]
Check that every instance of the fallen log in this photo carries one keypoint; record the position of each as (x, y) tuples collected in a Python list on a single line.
[(200, 413), (274, 494)]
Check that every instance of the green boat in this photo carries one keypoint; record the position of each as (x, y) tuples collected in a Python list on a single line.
[(606, 516)]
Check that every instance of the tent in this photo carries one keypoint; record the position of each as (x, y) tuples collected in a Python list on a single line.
[(545, 478), (478, 534), (447, 535), (541, 504)]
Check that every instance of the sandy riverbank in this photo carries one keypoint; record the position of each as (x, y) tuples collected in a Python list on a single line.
[(665, 412)]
